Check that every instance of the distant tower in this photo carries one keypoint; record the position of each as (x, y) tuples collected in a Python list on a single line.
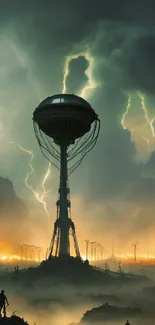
[(113, 250), (92, 250), (66, 128), (102, 249), (135, 251), (87, 248)]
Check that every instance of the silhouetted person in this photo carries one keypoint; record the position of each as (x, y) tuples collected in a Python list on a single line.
[(127, 323), (3, 303)]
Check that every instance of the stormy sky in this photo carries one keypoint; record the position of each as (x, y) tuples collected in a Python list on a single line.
[(117, 180)]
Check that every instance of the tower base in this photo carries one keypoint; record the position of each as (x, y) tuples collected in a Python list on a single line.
[(70, 269), (55, 246)]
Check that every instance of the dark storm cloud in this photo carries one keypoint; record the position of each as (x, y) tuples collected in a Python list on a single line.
[(49, 31), (120, 36), (129, 52), (117, 31), (115, 151), (135, 9), (142, 63), (77, 78)]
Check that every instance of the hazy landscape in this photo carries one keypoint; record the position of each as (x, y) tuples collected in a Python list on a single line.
[(77, 89)]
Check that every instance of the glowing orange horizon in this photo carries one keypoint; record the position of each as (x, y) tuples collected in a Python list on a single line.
[(9, 258), (125, 258)]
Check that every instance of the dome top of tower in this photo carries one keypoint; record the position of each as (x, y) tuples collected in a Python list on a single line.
[(65, 99), (64, 117)]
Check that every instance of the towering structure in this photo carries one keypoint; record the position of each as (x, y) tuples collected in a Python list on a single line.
[(66, 128), (135, 251)]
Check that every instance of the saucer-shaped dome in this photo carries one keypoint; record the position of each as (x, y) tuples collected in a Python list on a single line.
[(64, 117)]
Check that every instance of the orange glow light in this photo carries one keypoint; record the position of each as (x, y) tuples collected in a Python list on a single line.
[(10, 257), (4, 257)]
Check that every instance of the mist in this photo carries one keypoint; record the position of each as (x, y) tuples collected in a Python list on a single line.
[(104, 51)]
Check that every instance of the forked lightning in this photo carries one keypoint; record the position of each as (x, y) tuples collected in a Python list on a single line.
[(39, 197)]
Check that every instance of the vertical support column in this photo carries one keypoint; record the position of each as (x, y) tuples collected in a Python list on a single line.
[(64, 222), (87, 246)]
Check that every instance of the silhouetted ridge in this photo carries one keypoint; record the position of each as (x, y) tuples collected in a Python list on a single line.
[(9, 201), (108, 312), (13, 320), (73, 270)]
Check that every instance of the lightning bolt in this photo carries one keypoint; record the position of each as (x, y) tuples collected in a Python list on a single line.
[(45, 178), (126, 112), (40, 197), (30, 153), (149, 122), (89, 72)]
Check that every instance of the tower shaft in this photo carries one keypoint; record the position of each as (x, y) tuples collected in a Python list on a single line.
[(63, 224), (64, 248)]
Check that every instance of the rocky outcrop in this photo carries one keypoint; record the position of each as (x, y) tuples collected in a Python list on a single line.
[(108, 312), (10, 204), (13, 320)]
